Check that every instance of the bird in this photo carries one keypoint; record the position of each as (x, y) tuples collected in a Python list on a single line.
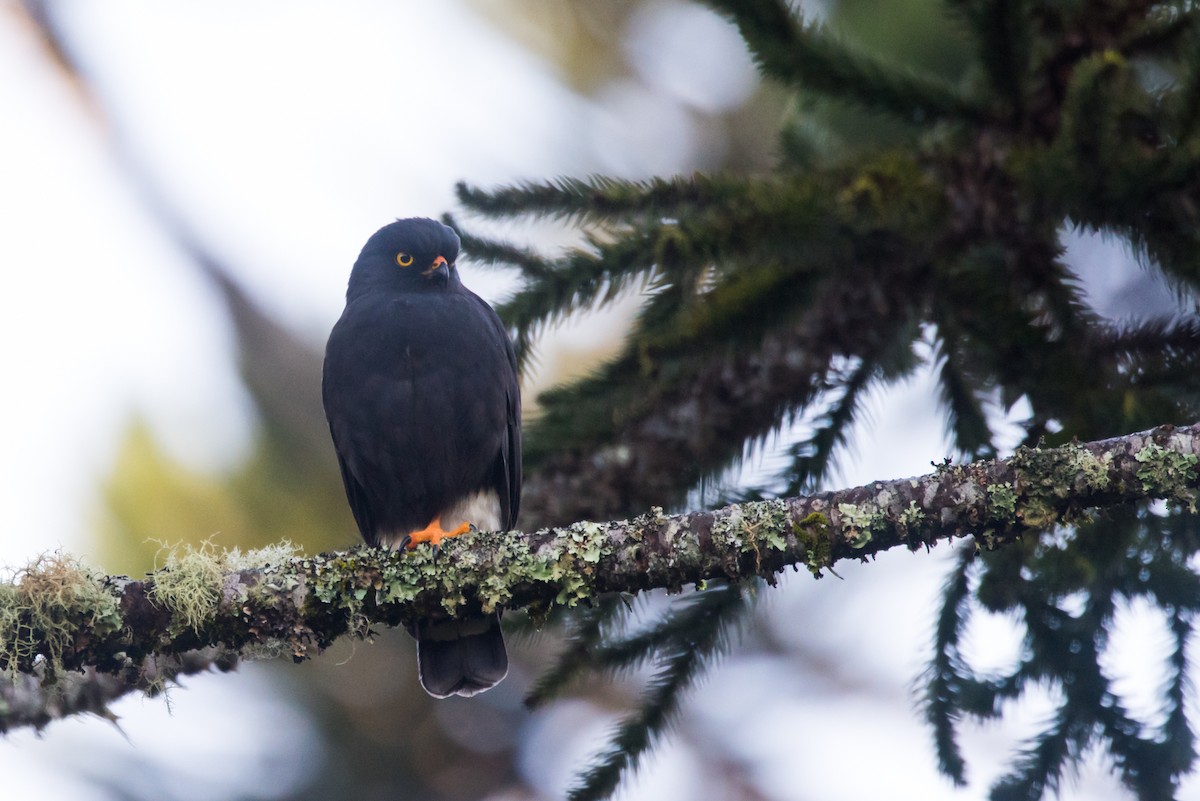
[(421, 392)]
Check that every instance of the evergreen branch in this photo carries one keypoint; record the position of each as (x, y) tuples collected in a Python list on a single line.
[(678, 347), (811, 459), (743, 305), (805, 56), (749, 252), (652, 447), (67, 618), (489, 252), (1176, 587), (1039, 768), (1002, 29), (1168, 32), (1172, 373), (1062, 650), (1104, 560), (1168, 237), (1061, 299), (600, 198), (1109, 117), (701, 627), (942, 691), (582, 280), (634, 650), (587, 631), (587, 413), (747, 307), (968, 422), (1050, 356), (672, 253), (1139, 761), (1153, 347), (593, 410), (981, 698), (1090, 132), (1186, 101), (1178, 738), (658, 447), (1058, 641)]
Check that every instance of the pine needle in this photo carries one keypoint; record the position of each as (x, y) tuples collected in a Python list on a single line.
[(706, 617)]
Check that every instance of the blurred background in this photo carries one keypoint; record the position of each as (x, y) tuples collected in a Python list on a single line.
[(183, 189)]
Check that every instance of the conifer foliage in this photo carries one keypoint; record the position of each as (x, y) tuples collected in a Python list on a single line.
[(769, 295)]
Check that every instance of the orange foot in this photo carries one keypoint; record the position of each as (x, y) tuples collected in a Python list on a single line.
[(434, 533)]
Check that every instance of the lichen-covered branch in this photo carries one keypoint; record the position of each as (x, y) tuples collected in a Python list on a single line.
[(58, 618), (26, 700)]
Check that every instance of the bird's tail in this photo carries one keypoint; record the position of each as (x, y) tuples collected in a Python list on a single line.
[(461, 657)]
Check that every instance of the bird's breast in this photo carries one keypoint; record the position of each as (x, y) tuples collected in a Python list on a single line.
[(415, 337)]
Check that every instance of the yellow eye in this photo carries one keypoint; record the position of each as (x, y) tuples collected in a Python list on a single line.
[(404, 260)]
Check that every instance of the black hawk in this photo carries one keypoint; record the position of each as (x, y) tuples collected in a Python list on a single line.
[(421, 393)]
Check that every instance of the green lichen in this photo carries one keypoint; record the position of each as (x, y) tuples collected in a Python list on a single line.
[(750, 526), (1059, 471), (582, 546), (399, 577), (190, 583), (860, 521), (492, 564), (544, 571), (775, 538), (729, 530), (1044, 478), (585, 541), (1093, 468), (1002, 501), (766, 523), (1038, 513), (1167, 473), (495, 588), (813, 533), (1043, 472), (912, 516)]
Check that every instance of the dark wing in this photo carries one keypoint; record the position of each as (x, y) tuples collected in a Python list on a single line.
[(506, 474), (336, 395), (357, 497)]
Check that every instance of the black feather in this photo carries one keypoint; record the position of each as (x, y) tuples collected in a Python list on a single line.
[(421, 393)]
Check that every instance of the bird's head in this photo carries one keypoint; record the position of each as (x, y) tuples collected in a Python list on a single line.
[(410, 255)]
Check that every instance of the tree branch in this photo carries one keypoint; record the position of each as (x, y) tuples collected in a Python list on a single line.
[(59, 618), (27, 700)]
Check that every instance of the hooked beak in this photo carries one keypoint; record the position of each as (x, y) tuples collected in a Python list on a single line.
[(440, 267)]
